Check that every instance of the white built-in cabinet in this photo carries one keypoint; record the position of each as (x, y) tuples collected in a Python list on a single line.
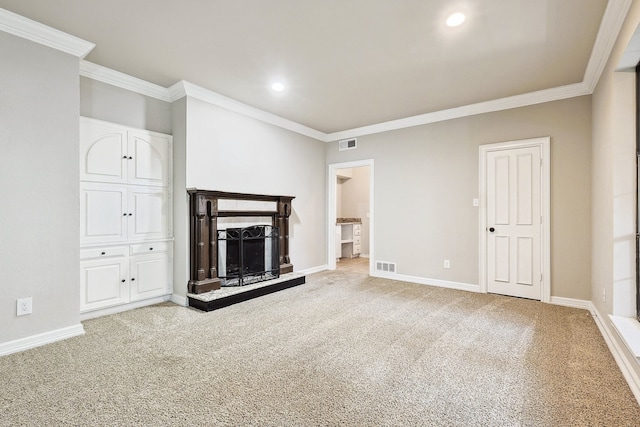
[(125, 215), (348, 240)]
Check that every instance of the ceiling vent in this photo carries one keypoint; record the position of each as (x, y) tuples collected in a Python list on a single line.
[(347, 144)]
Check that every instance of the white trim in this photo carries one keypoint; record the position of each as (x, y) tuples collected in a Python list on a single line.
[(531, 98), (545, 209), (571, 302), (38, 340), (179, 300), (610, 26), (430, 282), (124, 81), (125, 307), (184, 88), (20, 26), (331, 209), (628, 328), (312, 270), (624, 362)]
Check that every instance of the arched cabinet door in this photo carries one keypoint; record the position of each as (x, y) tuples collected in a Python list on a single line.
[(148, 155), (103, 152), (117, 154)]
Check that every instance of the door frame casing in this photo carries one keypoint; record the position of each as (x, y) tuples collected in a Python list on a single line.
[(545, 209), (331, 210)]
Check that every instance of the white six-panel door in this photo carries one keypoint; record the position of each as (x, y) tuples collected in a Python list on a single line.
[(514, 240)]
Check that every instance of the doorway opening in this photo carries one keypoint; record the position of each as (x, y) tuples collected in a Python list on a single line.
[(350, 215)]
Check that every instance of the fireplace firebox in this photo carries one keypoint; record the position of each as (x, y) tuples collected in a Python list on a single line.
[(248, 255)]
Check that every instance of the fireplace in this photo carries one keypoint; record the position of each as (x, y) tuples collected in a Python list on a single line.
[(248, 255), (239, 248), (208, 208)]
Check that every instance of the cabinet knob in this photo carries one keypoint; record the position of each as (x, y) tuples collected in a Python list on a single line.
[(130, 214), (150, 249), (124, 214), (124, 157), (130, 157), (123, 280), (133, 278), (102, 253)]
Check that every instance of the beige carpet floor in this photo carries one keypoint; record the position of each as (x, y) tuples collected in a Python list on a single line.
[(341, 350)]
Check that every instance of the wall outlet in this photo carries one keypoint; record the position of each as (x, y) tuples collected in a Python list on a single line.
[(604, 295), (447, 263), (24, 306)]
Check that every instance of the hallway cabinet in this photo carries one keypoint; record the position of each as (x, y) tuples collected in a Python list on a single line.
[(348, 240), (125, 215)]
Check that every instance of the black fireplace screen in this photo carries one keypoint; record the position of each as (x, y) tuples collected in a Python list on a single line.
[(248, 255)]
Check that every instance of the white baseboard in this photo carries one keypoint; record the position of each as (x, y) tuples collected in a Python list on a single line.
[(125, 307), (179, 299), (571, 302), (426, 281), (38, 340), (625, 363), (314, 269)]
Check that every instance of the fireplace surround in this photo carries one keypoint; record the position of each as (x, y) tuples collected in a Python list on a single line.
[(206, 208)]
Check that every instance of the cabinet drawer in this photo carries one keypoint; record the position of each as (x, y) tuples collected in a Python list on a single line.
[(356, 240), (150, 248), (104, 252), (356, 248), (356, 230)]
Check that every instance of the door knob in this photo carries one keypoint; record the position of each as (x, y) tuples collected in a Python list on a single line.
[(491, 229)]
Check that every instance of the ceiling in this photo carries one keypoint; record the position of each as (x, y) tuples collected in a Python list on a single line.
[(345, 63)]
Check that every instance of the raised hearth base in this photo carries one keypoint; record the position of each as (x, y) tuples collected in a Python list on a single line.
[(226, 296)]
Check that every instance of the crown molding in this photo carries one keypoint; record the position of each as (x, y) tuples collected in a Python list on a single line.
[(39, 33), (610, 26), (184, 88), (124, 81), (524, 100)]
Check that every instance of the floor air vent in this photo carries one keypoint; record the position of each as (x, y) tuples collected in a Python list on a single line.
[(347, 144), (387, 267)]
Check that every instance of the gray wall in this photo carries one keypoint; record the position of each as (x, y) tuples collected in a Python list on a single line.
[(113, 104), (39, 187), (180, 201), (426, 178)]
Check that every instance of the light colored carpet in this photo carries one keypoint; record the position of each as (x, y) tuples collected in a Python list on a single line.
[(342, 350)]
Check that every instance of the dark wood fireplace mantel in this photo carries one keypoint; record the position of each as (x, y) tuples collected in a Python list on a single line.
[(204, 212)]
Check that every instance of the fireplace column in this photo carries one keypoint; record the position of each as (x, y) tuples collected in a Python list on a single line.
[(204, 265), (284, 211)]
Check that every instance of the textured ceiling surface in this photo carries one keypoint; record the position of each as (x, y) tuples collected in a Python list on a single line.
[(346, 63)]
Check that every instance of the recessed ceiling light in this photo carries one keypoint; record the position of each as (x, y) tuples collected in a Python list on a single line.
[(277, 86), (455, 19)]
